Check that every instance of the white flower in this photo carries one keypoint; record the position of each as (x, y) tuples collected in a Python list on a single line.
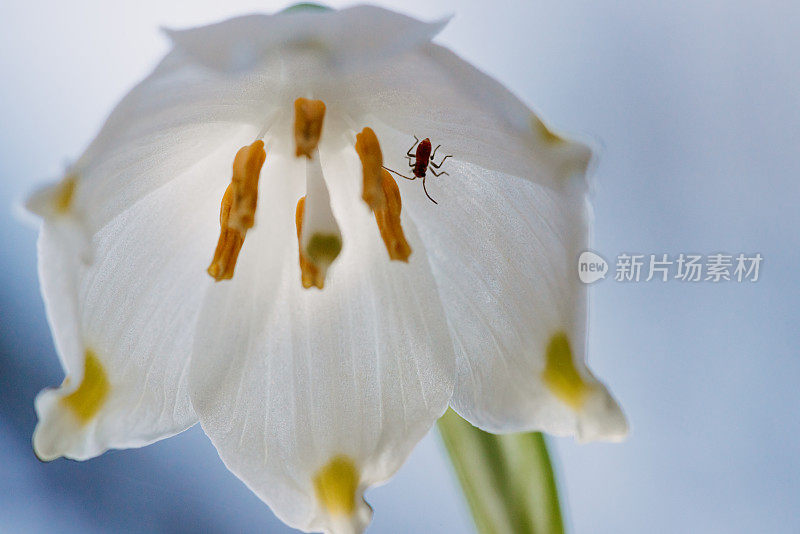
[(312, 395)]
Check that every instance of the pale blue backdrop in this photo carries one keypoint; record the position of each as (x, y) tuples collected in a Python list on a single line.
[(696, 108)]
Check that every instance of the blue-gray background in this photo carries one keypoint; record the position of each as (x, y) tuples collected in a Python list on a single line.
[(697, 108)]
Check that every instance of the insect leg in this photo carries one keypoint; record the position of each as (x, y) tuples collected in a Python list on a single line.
[(426, 190), (434, 152), (439, 173), (441, 162), (409, 154)]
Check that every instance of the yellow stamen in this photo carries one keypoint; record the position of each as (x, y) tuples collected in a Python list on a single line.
[(246, 172), (229, 244), (237, 209), (310, 274), (336, 485), (369, 151), (308, 117), (87, 400), (388, 219), (560, 374)]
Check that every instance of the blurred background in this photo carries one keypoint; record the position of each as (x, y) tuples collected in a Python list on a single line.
[(696, 106)]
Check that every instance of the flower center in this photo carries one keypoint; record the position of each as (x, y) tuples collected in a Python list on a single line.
[(318, 235)]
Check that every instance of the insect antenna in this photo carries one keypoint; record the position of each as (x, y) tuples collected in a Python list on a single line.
[(398, 174)]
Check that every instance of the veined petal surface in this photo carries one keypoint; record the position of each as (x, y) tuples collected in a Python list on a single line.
[(167, 124), (503, 251), (431, 92), (124, 323), (287, 380), (194, 97)]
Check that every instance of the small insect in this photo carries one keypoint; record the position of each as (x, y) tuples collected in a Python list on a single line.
[(419, 163)]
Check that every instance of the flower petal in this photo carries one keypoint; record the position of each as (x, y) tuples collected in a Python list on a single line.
[(431, 92), (124, 323), (167, 124), (184, 110), (61, 249), (504, 254), (312, 396), (338, 37)]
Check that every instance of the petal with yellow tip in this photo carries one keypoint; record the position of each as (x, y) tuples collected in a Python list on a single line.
[(86, 401), (136, 313), (503, 252), (359, 370), (336, 484), (55, 199), (338, 490)]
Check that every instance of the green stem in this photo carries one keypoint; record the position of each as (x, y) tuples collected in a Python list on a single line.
[(508, 480)]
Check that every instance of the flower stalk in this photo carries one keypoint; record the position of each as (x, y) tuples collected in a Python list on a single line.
[(507, 479)]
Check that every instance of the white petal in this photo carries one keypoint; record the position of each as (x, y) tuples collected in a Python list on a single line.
[(135, 309), (431, 92), (286, 379), (61, 247), (504, 253), (350, 37), (167, 124)]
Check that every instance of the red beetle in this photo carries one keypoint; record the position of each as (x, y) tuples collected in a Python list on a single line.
[(419, 162)]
